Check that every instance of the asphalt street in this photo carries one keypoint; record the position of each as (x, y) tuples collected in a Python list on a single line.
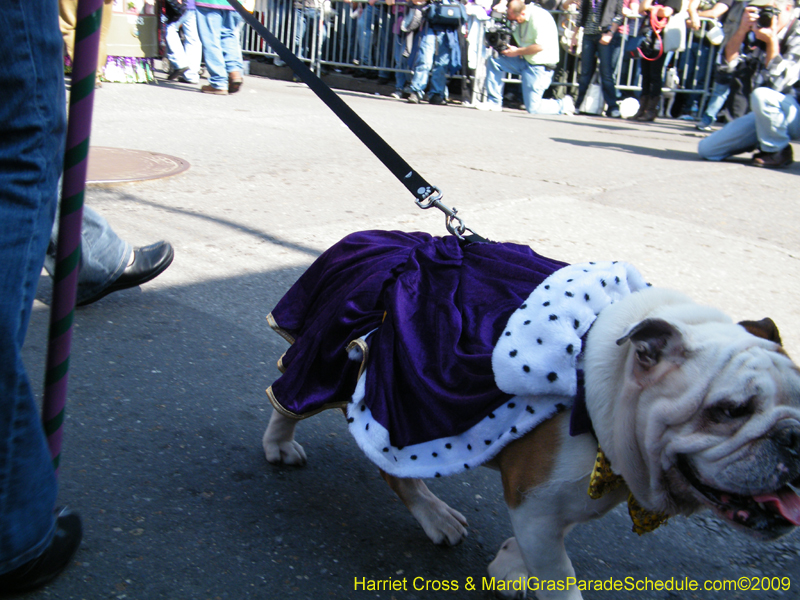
[(166, 406)]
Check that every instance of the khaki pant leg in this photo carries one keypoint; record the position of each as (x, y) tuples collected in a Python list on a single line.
[(102, 52), (67, 19)]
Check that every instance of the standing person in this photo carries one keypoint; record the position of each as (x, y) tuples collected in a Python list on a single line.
[(36, 541), (310, 28), (600, 20), (68, 18), (652, 80), (534, 59), (438, 53), (719, 93), (184, 57), (219, 26)]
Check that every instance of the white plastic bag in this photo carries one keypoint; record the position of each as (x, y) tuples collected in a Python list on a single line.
[(593, 100)]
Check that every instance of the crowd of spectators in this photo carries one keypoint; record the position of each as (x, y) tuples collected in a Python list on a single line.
[(398, 42), (426, 46), (751, 63)]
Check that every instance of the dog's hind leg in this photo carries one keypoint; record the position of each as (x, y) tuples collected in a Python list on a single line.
[(279, 444), (442, 524)]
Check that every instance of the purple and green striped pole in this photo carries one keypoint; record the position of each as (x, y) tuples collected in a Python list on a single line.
[(65, 280)]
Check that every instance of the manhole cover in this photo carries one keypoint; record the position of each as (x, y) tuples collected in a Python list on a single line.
[(118, 165)]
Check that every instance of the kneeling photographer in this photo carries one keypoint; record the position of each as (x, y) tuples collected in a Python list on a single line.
[(534, 58), (769, 37)]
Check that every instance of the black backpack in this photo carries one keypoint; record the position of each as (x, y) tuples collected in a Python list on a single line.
[(444, 14), (174, 10)]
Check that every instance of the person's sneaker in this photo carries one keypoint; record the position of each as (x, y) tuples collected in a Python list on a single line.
[(489, 106), (210, 89), (702, 126), (567, 105), (438, 100), (774, 160), (48, 565), (614, 114), (397, 95), (414, 98), (176, 73)]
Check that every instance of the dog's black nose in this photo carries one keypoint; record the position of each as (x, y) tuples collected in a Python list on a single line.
[(788, 436)]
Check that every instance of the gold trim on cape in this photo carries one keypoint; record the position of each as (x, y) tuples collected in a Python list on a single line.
[(357, 343), (278, 329)]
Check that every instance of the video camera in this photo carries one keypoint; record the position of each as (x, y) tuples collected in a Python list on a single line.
[(499, 32)]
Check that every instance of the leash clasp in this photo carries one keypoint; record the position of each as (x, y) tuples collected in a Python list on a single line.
[(455, 225)]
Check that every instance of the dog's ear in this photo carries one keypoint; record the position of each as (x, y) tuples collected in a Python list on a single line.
[(765, 328), (650, 339)]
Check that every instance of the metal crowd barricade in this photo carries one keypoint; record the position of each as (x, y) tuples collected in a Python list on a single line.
[(330, 34), (359, 38), (694, 67)]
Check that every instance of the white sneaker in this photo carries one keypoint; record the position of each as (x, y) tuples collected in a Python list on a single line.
[(489, 106), (567, 105)]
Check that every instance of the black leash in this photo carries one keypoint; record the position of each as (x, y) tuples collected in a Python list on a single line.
[(426, 195)]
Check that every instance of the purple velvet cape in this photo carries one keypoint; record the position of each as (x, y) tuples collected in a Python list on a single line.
[(436, 307)]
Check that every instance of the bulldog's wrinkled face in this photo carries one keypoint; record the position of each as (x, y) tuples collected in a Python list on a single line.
[(717, 422)]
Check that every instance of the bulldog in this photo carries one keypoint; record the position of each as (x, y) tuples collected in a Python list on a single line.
[(600, 388)]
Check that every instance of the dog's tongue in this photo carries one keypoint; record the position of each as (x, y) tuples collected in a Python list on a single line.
[(784, 501)]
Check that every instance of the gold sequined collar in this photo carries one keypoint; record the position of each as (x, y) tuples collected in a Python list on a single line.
[(604, 480)]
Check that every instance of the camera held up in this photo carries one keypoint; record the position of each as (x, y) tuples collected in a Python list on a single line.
[(765, 15), (499, 32)]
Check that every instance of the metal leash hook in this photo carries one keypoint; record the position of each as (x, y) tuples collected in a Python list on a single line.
[(455, 225)]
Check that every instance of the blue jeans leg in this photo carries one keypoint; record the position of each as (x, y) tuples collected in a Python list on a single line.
[(175, 51), (104, 255), (209, 25), (589, 49), (535, 81), (230, 41), (777, 119), (494, 79), (400, 62), (441, 64), (32, 127), (609, 55), (422, 67), (219, 31), (736, 137), (365, 27), (189, 55), (384, 42), (719, 94), (194, 47)]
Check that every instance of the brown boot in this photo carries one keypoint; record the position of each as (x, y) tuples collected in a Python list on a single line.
[(235, 81), (651, 112), (644, 101), (210, 89)]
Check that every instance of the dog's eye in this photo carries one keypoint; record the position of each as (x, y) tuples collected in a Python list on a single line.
[(729, 411)]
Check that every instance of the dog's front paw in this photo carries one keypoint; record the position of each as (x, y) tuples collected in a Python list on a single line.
[(508, 566), (286, 453), (278, 442), (442, 524)]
